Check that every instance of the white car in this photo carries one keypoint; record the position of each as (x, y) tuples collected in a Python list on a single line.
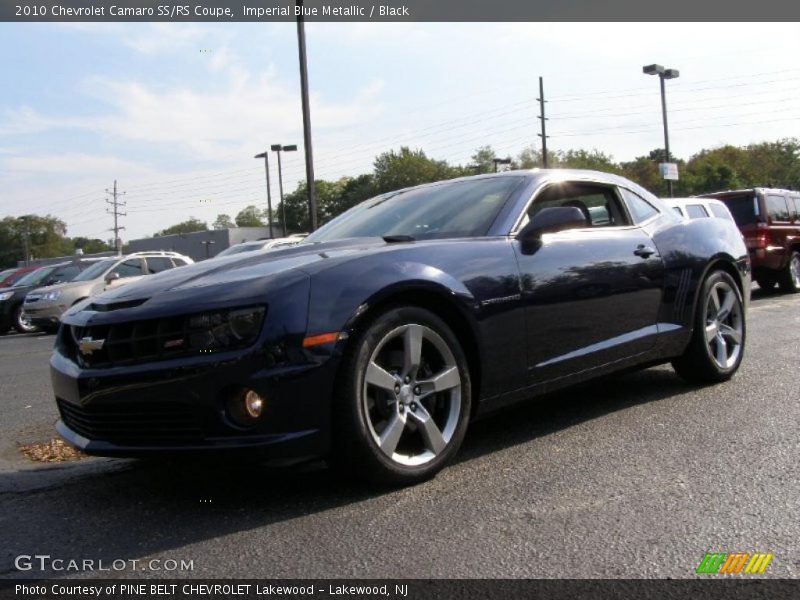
[(262, 245), (699, 208)]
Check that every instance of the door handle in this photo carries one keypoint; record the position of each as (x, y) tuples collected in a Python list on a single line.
[(644, 251)]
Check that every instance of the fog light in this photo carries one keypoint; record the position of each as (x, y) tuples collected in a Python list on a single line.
[(253, 404), (245, 407)]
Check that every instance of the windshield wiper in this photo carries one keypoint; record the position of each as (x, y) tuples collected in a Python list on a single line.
[(397, 238)]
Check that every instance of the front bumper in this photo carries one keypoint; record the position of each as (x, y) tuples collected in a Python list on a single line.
[(178, 405), (44, 314)]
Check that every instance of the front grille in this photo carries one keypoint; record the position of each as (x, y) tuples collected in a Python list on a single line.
[(128, 343), (133, 424)]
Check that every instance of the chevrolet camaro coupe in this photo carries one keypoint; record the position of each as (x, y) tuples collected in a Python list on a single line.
[(375, 341)]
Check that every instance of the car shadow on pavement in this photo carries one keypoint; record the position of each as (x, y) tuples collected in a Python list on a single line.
[(141, 508)]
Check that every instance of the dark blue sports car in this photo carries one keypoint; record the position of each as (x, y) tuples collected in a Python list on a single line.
[(376, 340)]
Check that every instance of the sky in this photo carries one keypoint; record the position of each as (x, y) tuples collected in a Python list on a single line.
[(175, 112)]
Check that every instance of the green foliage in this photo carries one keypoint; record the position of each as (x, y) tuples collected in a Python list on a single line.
[(188, 226), (250, 216), (223, 222), (46, 237), (89, 246), (406, 168), (482, 160)]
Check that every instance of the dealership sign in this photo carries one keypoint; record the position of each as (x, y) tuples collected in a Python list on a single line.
[(668, 170)]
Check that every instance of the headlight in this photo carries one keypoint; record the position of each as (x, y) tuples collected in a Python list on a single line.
[(225, 329), (50, 296), (5, 296)]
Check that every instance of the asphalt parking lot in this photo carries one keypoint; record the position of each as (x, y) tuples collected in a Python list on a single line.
[(635, 476)]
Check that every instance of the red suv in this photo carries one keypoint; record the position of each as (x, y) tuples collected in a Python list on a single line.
[(769, 219)]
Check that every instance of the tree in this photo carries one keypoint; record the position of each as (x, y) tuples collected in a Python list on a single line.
[(188, 226), (223, 222), (586, 159), (45, 237), (249, 216), (483, 160), (90, 246), (529, 158), (396, 170)]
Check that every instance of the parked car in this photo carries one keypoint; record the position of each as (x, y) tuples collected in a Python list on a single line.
[(699, 208), (770, 222), (260, 245), (11, 299), (13, 275), (44, 306), (376, 340)]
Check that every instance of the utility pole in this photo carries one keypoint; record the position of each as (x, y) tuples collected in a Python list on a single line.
[(114, 202), (301, 48), (542, 135)]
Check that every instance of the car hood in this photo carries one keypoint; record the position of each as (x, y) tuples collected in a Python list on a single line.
[(241, 268), (66, 286)]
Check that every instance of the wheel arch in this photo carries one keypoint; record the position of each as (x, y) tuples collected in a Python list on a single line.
[(439, 300), (721, 262)]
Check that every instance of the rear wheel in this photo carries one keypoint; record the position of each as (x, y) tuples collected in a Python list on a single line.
[(404, 405), (790, 277), (21, 322), (717, 346)]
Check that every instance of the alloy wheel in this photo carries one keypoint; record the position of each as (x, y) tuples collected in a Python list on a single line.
[(794, 270), (724, 325), (411, 395)]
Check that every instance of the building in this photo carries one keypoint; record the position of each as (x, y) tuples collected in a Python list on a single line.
[(200, 245)]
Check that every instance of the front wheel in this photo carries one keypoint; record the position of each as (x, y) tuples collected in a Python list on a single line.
[(790, 277), (404, 402), (22, 323), (717, 345)]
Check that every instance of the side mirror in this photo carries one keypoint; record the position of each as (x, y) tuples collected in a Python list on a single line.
[(550, 220), (113, 276)]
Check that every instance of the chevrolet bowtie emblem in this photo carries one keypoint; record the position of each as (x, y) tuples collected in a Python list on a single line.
[(87, 345)]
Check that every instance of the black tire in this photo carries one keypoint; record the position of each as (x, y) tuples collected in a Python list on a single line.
[(789, 279), (20, 324), (704, 361), (766, 282), (364, 413)]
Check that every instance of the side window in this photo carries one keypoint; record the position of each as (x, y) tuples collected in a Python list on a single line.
[(640, 209), (678, 210), (599, 204), (720, 212), (696, 211), (796, 212), (66, 273), (777, 208), (179, 262), (156, 264), (130, 268)]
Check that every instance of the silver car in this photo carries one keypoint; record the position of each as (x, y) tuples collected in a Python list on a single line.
[(44, 306)]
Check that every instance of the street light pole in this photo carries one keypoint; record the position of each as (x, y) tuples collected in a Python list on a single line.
[(310, 186), (664, 74), (265, 156), (278, 148)]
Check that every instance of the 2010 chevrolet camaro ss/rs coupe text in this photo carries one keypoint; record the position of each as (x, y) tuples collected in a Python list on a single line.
[(376, 340)]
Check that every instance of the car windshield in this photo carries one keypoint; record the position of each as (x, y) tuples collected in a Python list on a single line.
[(96, 270), (743, 208), (465, 208), (239, 248), (35, 277)]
